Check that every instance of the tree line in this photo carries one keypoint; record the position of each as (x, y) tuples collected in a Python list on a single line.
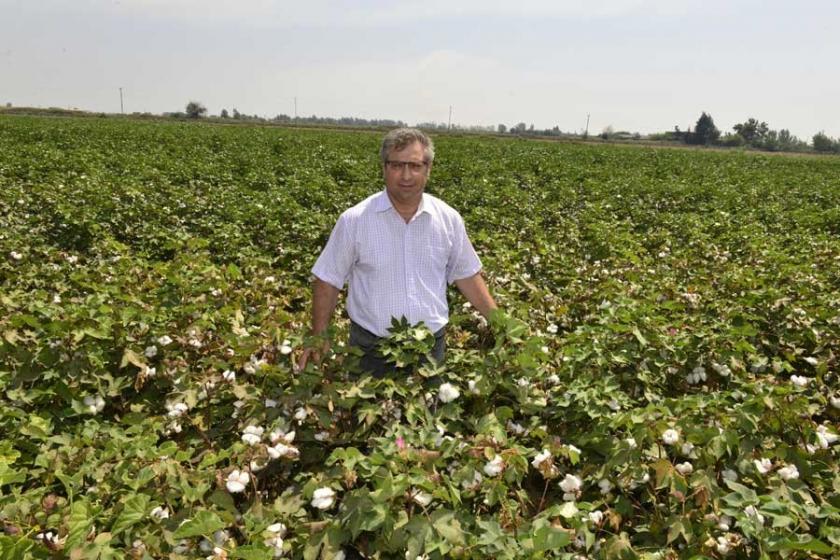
[(750, 133)]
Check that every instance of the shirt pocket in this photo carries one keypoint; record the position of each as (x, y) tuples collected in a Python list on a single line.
[(433, 259)]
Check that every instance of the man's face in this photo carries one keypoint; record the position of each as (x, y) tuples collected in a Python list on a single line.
[(406, 173)]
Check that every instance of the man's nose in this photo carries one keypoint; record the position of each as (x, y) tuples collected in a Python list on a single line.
[(405, 171)]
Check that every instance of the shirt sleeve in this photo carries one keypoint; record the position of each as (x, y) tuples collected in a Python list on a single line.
[(463, 261), (335, 261)]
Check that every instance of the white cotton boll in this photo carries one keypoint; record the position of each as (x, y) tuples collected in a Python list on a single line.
[(164, 340), (541, 458), (684, 468), (752, 512), (175, 410), (270, 280), (571, 483), (275, 543), (631, 443), (252, 435), (789, 472), (763, 466), (229, 376), (15, 255), (722, 369), (286, 348), (277, 529), (323, 498), (448, 393), (605, 485), (724, 523), (150, 351), (596, 517), (422, 498), (72, 259), (835, 402), (687, 448), (553, 379), (94, 404), (670, 436), (800, 380), (723, 546), (544, 349), (569, 496), (699, 374), (811, 360), (256, 466), (494, 467), (237, 481), (301, 414), (522, 382), (573, 449), (516, 428), (159, 513), (322, 436), (552, 328), (614, 406)]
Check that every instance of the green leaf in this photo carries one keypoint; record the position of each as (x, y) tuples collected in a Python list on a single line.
[(79, 523), (133, 512), (203, 524), (448, 527), (549, 538), (252, 552)]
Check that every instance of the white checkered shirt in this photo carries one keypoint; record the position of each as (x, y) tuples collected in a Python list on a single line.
[(397, 269)]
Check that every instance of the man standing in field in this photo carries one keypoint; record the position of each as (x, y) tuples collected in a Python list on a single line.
[(397, 249)]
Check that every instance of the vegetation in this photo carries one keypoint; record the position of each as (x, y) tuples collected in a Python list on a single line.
[(662, 383)]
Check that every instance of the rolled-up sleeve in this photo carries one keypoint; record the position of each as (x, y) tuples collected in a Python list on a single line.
[(463, 261), (336, 260)]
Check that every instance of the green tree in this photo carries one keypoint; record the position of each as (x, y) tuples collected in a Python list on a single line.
[(502, 129), (705, 131), (824, 143), (195, 110), (224, 114), (752, 131)]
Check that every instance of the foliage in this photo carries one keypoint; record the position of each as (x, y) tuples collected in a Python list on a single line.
[(195, 110), (667, 356), (705, 131), (824, 143), (752, 131)]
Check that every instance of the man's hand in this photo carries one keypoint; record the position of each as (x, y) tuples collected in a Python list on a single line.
[(324, 300), (476, 292)]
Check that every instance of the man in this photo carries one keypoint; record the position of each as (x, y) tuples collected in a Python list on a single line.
[(397, 249)]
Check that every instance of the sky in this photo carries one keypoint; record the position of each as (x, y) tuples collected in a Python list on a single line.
[(637, 65)]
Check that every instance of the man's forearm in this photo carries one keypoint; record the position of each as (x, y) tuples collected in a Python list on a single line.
[(476, 292), (324, 300)]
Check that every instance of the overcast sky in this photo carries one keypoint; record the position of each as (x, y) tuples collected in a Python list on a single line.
[(637, 65)]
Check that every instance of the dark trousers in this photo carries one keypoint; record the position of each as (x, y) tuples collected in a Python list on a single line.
[(373, 362)]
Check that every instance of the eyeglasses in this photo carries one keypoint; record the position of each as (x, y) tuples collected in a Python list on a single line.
[(413, 166)]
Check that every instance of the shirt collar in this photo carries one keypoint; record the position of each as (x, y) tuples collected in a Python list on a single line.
[(383, 203)]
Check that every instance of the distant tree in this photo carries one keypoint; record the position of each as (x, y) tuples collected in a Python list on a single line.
[(224, 114), (8, 105), (752, 131), (705, 131), (607, 133), (236, 114), (195, 110), (520, 127), (502, 129), (823, 143)]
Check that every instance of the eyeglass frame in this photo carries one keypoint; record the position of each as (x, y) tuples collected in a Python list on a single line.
[(398, 166)]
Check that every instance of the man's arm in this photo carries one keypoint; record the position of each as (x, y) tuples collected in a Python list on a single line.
[(476, 292), (324, 300)]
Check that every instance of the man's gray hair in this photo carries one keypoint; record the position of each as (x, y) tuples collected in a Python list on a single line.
[(401, 138)]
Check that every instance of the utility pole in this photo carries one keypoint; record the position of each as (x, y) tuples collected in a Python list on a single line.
[(449, 125), (122, 111), (586, 133)]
